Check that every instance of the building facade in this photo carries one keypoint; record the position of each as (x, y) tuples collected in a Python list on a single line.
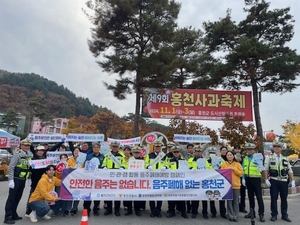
[(18, 129), (54, 126)]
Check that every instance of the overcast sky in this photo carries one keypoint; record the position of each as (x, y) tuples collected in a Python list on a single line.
[(49, 38)]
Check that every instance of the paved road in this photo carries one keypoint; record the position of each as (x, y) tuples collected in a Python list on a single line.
[(145, 219)]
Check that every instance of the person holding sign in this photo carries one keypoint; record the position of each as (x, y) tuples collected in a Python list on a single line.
[(41, 197), (194, 163), (136, 152), (237, 173), (169, 154), (239, 158), (127, 156), (89, 158), (155, 161), (72, 163), (251, 180), (174, 164), (36, 174), (209, 166), (18, 172), (113, 160), (277, 173)]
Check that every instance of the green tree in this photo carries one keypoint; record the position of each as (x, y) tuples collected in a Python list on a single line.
[(189, 55), (132, 38), (253, 53), (10, 120)]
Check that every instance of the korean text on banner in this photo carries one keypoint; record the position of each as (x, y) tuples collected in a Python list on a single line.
[(47, 137), (196, 104), (130, 141), (85, 137), (191, 138), (78, 184)]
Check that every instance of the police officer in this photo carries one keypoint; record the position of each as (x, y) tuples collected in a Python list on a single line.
[(108, 163), (137, 205), (151, 164), (252, 180), (169, 154), (213, 209), (174, 164), (277, 173), (18, 172), (239, 158), (192, 162)]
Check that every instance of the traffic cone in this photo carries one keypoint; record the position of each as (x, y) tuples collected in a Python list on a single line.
[(84, 218)]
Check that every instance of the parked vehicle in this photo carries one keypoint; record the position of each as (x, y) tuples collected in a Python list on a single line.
[(4, 154)]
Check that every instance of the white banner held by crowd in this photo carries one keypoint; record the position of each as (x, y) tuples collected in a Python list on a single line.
[(130, 141), (47, 137), (120, 185), (43, 163), (191, 138), (58, 154), (85, 137)]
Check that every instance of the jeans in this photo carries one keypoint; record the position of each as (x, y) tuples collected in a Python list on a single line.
[(40, 207)]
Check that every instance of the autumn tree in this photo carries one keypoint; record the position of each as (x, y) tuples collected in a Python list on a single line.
[(108, 123), (292, 135), (132, 39), (81, 125), (253, 53), (236, 133), (180, 126)]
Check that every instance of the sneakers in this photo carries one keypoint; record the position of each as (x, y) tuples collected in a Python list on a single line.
[(46, 217), (51, 213), (27, 215), (32, 217)]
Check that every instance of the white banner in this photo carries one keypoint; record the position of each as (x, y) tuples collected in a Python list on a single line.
[(130, 141), (47, 137), (85, 137), (79, 184), (43, 163), (58, 154), (191, 138)]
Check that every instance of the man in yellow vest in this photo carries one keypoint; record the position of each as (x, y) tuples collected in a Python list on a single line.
[(109, 163), (213, 210), (277, 174), (18, 172), (252, 180), (159, 165), (174, 164)]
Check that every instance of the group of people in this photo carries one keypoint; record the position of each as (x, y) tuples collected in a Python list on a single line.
[(246, 175)]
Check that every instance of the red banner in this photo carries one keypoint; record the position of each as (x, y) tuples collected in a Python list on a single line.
[(196, 104)]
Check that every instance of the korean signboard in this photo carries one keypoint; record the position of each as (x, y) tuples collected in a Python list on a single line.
[(143, 184), (196, 104)]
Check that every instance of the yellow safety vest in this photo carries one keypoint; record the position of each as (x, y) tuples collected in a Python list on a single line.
[(250, 170)]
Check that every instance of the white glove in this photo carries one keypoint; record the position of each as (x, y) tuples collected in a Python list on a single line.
[(105, 168), (244, 182), (150, 167), (293, 184), (268, 183), (121, 168), (163, 168), (11, 184), (29, 182)]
